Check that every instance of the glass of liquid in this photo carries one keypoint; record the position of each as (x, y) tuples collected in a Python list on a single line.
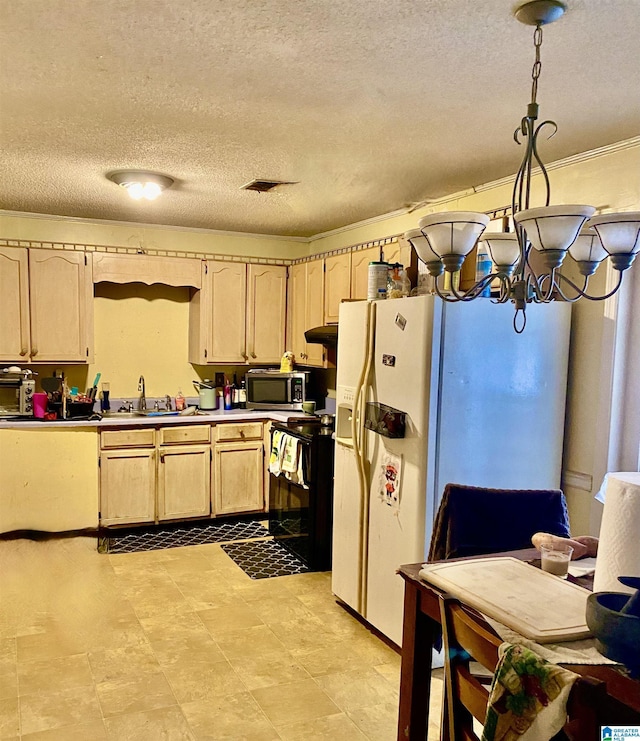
[(555, 558)]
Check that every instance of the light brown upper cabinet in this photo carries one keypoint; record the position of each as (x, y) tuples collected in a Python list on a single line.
[(360, 260), (306, 311), (337, 284), (266, 312), (398, 252), (230, 324), (47, 308), (15, 337)]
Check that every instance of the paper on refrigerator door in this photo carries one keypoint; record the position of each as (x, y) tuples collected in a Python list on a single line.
[(390, 479)]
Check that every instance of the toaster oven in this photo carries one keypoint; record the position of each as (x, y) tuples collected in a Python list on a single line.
[(271, 389), (16, 392)]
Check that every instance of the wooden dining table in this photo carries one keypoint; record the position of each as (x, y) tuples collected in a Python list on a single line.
[(421, 629)]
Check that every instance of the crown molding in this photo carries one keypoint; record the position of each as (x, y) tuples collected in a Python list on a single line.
[(358, 224), (573, 159), (508, 180)]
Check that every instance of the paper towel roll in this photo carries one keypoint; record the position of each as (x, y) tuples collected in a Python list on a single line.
[(619, 546)]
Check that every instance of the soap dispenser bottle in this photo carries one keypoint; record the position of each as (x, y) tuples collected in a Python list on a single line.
[(180, 401)]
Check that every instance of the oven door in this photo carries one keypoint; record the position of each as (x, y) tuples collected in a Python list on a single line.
[(9, 399), (289, 508)]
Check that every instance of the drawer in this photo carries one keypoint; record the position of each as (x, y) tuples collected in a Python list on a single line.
[(131, 438), (240, 431), (185, 434)]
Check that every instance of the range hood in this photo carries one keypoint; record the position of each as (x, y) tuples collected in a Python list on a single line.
[(326, 335)]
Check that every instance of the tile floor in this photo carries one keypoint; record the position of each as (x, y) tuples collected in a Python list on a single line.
[(181, 644)]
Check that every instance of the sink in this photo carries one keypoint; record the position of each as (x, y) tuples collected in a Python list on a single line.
[(147, 413)]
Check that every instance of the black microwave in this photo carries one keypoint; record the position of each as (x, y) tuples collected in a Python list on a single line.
[(271, 389)]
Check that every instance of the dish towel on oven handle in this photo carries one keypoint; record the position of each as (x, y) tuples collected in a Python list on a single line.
[(528, 697), (287, 458), (277, 449)]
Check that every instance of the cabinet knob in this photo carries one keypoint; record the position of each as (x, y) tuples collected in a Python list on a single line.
[(23, 352), (34, 351), (253, 355)]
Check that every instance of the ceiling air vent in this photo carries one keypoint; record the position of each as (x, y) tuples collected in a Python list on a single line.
[(264, 186)]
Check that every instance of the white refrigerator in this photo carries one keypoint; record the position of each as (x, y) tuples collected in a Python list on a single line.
[(482, 406)]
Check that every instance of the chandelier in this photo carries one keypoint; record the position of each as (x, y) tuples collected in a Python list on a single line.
[(444, 240)]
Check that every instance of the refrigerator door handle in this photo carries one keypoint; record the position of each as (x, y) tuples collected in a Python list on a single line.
[(357, 429)]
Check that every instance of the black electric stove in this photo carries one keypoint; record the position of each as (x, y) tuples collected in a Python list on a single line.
[(301, 513)]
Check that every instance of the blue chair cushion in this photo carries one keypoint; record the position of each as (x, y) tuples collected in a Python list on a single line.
[(472, 520)]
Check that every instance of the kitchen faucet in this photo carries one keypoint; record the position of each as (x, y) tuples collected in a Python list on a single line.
[(142, 401)]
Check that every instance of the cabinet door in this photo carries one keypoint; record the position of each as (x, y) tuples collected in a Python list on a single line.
[(200, 320), (184, 481), (238, 471), (14, 304), (266, 312), (360, 260), (398, 252), (228, 283), (314, 315), (337, 284), (61, 296), (127, 486), (296, 312)]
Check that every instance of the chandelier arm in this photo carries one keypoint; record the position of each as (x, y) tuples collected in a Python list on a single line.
[(582, 292), (443, 296), (536, 156), (468, 295), (506, 289), (550, 279), (519, 328), (475, 290)]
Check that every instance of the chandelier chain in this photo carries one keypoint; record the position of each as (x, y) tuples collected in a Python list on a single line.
[(537, 65)]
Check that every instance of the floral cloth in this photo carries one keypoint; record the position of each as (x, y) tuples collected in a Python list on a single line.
[(528, 697)]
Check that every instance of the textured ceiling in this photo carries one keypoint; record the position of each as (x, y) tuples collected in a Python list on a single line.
[(369, 105)]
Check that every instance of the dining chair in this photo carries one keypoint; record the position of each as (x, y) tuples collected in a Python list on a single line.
[(466, 638), (473, 520)]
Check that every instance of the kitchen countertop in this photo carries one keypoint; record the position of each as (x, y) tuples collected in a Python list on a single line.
[(213, 417)]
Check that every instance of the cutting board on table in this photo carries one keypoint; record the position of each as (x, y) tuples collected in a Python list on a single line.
[(537, 605)]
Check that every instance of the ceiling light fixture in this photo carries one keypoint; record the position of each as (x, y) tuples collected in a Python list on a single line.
[(141, 184), (444, 240)]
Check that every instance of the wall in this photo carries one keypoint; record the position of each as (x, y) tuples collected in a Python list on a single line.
[(610, 180), (83, 231)]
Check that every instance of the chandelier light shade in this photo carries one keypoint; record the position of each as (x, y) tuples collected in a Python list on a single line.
[(423, 248), (141, 184), (588, 251), (453, 235), (553, 231), (503, 250)]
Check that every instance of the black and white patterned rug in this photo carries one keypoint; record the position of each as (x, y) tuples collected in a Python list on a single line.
[(174, 536), (262, 559)]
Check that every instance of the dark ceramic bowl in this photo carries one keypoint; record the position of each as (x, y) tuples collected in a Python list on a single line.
[(617, 635)]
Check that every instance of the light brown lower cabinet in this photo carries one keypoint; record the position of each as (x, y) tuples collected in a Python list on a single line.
[(127, 486), (167, 474), (238, 477), (184, 482)]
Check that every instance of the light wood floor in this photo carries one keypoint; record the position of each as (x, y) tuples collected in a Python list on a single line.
[(181, 644)]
